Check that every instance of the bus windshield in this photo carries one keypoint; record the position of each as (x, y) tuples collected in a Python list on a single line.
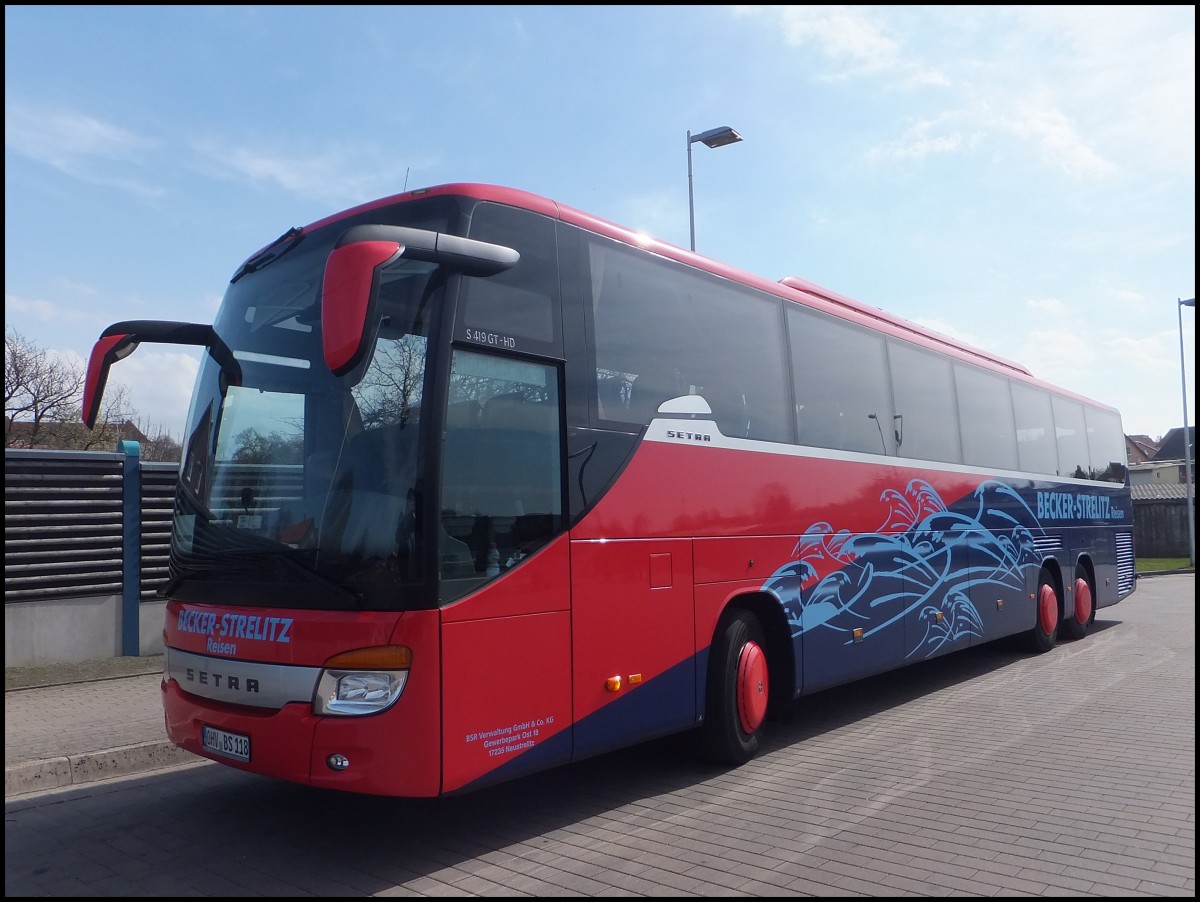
[(299, 488)]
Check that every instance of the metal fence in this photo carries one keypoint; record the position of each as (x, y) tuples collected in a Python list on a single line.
[(65, 516), (1160, 527)]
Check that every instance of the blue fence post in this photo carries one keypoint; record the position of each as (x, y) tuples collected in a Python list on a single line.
[(131, 548)]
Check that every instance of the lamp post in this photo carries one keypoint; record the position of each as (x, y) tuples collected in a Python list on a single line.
[(1187, 444), (714, 137)]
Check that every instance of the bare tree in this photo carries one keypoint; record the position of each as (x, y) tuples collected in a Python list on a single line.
[(69, 434), (160, 445), (43, 402), (392, 385), (38, 388)]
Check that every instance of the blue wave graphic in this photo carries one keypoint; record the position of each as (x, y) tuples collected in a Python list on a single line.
[(924, 559)]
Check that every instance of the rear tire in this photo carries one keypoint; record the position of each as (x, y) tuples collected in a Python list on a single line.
[(1076, 626), (737, 691), (1044, 635)]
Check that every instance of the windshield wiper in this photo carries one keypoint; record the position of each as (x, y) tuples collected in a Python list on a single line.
[(175, 581), (280, 563), (270, 253)]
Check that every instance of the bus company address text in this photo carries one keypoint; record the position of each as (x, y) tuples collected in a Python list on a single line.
[(509, 739)]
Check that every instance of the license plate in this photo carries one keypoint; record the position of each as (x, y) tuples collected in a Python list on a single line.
[(224, 743)]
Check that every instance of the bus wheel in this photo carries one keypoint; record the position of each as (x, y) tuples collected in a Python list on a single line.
[(1076, 626), (737, 691), (1044, 635)]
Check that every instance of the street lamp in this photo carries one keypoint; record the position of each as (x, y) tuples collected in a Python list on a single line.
[(714, 137), (1187, 444)]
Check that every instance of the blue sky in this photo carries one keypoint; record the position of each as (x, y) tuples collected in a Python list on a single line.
[(1019, 177)]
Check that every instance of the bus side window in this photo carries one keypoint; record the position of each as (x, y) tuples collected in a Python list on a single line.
[(501, 466), (731, 411), (841, 382), (821, 424), (1036, 448), (645, 394), (463, 414), (522, 443), (515, 411), (460, 459)]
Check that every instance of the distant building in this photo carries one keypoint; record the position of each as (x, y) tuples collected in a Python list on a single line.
[(1158, 486), (1159, 472), (1172, 448), (1167, 466), (1140, 448)]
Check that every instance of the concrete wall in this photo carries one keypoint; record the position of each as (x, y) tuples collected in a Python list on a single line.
[(86, 535), (66, 630)]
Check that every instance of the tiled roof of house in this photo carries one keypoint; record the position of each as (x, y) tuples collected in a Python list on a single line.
[(1172, 444), (1158, 491)]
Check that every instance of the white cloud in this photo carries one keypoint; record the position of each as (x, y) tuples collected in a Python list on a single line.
[(1062, 356), (1126, 298), (160, 386), (332, 176), (76, 288), (1136, 64), (46, 311), (658, 213), (1048, 128), (918, 143), (59, 137), (78, 145), (1153, 353), (843, 33), (1047, 307), (1036, 75), (944, 328)]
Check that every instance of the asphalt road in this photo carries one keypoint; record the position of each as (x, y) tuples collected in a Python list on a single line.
[(987, 772)]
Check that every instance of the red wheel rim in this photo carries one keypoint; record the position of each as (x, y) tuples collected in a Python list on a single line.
[(1083, 602), (751, 687), (1047, 610)]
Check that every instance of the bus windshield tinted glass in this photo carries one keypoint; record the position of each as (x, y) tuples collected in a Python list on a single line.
[(299, 488)]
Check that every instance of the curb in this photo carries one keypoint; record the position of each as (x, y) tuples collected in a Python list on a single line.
[(1152, 573), (71, 770)]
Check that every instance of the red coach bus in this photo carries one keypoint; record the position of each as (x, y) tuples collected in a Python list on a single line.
[(475, 484)]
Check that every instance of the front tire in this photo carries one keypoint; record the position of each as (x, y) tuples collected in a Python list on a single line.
[(1044, 635), (737, 691)]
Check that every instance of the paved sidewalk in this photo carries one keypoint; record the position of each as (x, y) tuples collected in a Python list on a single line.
[(74, 723)]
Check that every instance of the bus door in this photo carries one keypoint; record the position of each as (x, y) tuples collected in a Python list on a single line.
[(632, 633), (504, 572)]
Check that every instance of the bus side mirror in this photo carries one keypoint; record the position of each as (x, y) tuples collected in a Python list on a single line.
[(348, 300), (120, 340), (104, 354), (350, 285)]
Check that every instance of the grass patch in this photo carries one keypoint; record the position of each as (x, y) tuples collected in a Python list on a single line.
[(1152, 564)]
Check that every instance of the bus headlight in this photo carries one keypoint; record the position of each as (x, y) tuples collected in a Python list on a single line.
[(365, 681)]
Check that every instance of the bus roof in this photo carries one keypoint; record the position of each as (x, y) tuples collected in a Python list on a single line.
[(791, 288)]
